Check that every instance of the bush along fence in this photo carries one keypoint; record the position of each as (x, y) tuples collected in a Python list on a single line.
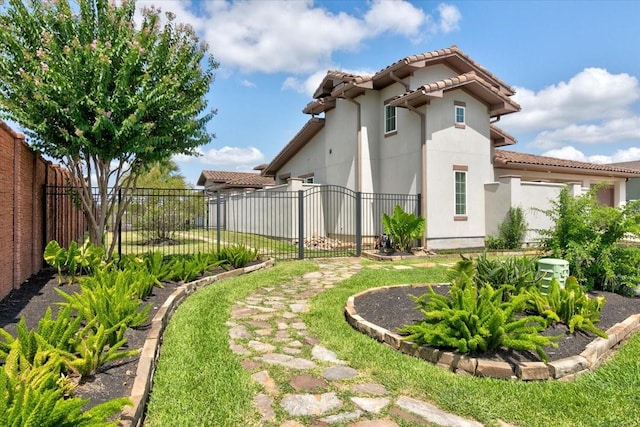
[(316, 221)]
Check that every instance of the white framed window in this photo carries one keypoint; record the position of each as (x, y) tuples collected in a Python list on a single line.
[(459, 115), (389, 119), (308, 179), (460, 192)]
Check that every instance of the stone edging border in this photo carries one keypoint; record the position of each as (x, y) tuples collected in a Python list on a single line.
[(565, 369), (132, 416)]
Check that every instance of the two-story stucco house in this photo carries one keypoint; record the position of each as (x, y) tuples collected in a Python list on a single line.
[(423, 125)]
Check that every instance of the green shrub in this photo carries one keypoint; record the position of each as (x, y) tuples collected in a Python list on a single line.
[(186, 268), (571, 306), (475, 319), (515, 273), (513, 228), (112, 299), (38, 396), (237, 256), (86, 259), (404, 228), (587, 234)]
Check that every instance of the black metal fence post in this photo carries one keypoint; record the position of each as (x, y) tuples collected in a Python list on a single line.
[(358, 223), (218, 220), (300, 224), (119, 223)]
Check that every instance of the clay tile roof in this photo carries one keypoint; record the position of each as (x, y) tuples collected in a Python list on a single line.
[(235, 179), (512, 159)]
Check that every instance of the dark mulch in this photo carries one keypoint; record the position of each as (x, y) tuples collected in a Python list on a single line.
[(36, 294), (393, 308)]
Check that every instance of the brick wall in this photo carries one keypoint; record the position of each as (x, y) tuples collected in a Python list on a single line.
[(23, 220)]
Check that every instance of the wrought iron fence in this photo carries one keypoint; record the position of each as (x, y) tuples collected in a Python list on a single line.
[(320, 221)]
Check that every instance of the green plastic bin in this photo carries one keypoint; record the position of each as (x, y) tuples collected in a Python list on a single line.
[(553, 267)]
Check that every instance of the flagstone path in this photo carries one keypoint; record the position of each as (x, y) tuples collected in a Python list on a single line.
[(267, 331)]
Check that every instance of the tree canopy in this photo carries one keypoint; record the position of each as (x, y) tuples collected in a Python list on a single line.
[(102, 94)]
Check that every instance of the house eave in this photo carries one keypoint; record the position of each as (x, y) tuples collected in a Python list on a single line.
[(308, 131)]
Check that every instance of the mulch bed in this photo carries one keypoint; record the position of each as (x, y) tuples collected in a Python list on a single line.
[(114, 379), (393, 308)]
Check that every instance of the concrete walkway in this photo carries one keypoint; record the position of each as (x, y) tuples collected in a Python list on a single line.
[(267, 331)]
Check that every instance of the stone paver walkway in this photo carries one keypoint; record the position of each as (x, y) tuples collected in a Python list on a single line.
[(267, 330)]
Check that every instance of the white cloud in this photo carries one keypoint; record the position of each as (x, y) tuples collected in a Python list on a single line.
[(592, 94), (616, 130), (247, 83), (450, 17), (399, 17), (299, 37), (226, 158), (572, 153)]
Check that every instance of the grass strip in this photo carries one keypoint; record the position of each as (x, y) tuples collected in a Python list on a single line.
[(607, 397), (198, 380)]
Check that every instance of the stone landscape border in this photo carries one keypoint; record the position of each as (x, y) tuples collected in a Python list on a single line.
[(564, 369), (132, 416)]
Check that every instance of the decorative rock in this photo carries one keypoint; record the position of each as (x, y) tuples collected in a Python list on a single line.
[(370, 388), (263, 403), (306, 382), (373, 405), (567, 366), (264, 379), (261, 347), (300, 405), (340, 418), (299, 307), (288, 361), (335, 373), (291, 423), (494, 369), (250, 365), (384, 422), (321, 353), (532, 371), (434, 414), (240, 332), (291, 351)]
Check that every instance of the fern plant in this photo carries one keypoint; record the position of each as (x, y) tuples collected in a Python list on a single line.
[(110, 299), (93, 350), (403, 227), (571, 306), (475, 319), (237, 256), (515, 274), (39, 396)]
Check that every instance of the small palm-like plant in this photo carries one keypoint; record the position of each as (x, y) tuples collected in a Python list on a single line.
[(403, 227)]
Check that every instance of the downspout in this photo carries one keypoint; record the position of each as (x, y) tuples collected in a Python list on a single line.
[(423, 167), (358, 145), (358, 142)]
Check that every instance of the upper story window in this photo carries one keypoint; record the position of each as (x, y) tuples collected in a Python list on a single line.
[(459, 114), (307, 179), (389, 119)]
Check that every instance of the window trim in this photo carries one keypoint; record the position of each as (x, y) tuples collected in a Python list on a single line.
[(389, 132), (308, 178), (460, 215), (459, 106)]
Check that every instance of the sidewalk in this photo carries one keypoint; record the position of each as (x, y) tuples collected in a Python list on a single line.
[(267, 331)]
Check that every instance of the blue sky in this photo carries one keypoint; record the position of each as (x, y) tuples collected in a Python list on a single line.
[(574, 64)]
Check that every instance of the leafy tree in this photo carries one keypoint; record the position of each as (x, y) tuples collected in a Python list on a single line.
[(164, 204), (587, 234), (102, 95)]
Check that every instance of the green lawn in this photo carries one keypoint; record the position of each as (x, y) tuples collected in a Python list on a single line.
[(199, 381)]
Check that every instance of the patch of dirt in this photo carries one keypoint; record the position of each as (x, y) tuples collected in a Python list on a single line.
[(393, 308), (114, 379)]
